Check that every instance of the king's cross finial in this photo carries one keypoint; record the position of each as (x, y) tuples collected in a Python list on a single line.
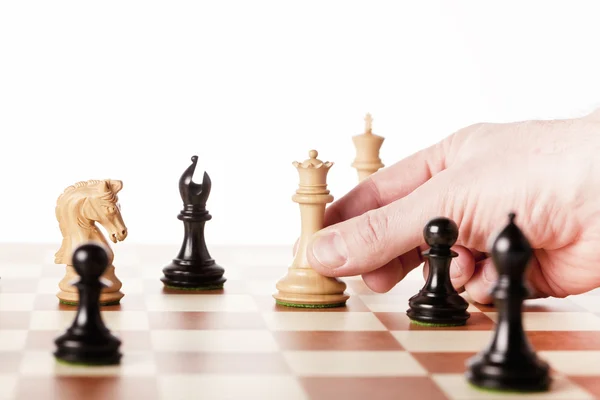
[(368, 123)]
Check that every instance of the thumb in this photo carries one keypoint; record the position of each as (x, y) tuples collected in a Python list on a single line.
[(371, 240)]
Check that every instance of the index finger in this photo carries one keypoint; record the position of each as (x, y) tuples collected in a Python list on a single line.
[(389, 184)]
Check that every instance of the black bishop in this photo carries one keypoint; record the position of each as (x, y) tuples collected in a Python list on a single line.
[(194, 268)]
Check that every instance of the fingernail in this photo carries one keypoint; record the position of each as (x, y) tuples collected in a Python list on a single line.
[(330, 250)]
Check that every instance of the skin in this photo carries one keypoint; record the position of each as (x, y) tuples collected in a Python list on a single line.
[(547, 172)]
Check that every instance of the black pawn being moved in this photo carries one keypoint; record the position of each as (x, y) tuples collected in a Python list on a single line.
[(509, 363), (438, 303), (193, 268), (88, 341)]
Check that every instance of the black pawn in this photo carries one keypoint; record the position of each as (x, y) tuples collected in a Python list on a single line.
[(194, 268), (509, 363), (88, 341), (438, 303)]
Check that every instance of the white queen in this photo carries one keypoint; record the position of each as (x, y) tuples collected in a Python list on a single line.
[(303, 286)]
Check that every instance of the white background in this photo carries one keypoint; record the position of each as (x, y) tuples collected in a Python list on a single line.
[(131, 89)]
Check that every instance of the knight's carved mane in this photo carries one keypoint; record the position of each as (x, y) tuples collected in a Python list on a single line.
[(72, 198)]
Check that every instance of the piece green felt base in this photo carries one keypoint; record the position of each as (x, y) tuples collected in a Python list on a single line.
[(80, 364), (436, 325), (504, 391), (73, 303), (288, 304), (191, 289)]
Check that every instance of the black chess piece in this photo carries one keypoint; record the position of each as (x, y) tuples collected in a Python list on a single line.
[(509, 363), (438, 303), (88, 341), (194, 268)]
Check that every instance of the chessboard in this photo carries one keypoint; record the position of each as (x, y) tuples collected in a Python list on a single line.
[(236, 343)]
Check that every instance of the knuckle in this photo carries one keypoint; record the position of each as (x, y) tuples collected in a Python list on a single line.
[(372, 230)]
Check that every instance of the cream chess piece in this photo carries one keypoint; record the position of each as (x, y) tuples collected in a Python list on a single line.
[(303, 286), (78, 209), (367, 145)]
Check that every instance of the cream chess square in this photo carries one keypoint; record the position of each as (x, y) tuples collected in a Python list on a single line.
[(8, 386), (20, 271), (12, 340), (353, 363), (589, 302), (393, 302), (114, 320), (236, 341), (228, 387), (584, 363), (201, 302), (43, 363), (329, 321), (456, 387), (17, 301)]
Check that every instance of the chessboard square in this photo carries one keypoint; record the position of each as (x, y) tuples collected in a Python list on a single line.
[(47, 286), (173, 363), (8, 386), (114, 320), (260, 287), (444, 363), (557, 321), (13, 340), (318, 321), (546, 304), (54, 271), (589, 383), (14, 320), (582, 363), (17, 301), (353, 363), (457, 387), (337, 340), (43, 363), (27, 271), (392, 302), (51, 320), (206, 320), (130, 302), (360, 388), (9, 362), (18, 285), (228, 387), (240, 341), (266, 272), (564, 340), (133, 286), (88, 388), (126, 320), (589, 302), (443, 341), (201, 302), (478, 321), (385, 302)]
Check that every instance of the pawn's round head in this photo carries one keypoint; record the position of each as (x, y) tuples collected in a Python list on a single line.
[(440, 232), (90, 261)]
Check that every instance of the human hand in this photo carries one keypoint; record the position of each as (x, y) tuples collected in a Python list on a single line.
[(547, 172)]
